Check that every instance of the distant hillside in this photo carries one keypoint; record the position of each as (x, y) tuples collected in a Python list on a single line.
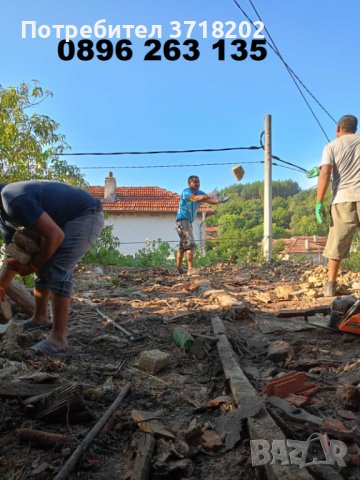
[(240, 221)]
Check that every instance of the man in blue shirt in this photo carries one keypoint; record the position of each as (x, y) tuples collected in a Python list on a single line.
[(67, 221), (190, 200)]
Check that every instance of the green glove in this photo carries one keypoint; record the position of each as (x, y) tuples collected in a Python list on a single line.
[(320, 212), (313, 172)]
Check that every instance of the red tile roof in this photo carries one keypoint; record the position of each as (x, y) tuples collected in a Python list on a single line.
[(211, 233), (298, 244), (142, 199)]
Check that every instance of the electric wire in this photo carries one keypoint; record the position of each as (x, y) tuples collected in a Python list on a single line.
[(283, 166), (289, 68), (297, 169), (275, 157), (157, 152), (168, 166), (293, 76), (244, 244)]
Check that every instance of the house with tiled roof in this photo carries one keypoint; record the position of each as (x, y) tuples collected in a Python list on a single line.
[(142, 214), (309, 247)]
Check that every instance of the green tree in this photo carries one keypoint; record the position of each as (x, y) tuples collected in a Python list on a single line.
[(29, 141), (302, 209)]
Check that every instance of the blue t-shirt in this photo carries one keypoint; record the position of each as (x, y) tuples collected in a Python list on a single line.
[(187, 208), (24, 202)]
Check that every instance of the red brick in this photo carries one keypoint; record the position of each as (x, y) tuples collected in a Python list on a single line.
[(270, 385), (293, 385), (310, 391), (297, 380)]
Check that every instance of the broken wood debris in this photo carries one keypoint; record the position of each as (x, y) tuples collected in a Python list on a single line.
[(129, 335), (260, 424), (62, 401), (23, 389), (146, 445), (69, 465), (148, 422), (46, 440), (18, 293)]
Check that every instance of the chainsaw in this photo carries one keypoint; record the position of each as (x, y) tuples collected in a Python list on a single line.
[(343, 315)]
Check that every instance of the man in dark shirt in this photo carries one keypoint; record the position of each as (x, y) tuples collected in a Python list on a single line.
[(68, 220)]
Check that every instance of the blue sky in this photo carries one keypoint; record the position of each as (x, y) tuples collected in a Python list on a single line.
[(139, 105)]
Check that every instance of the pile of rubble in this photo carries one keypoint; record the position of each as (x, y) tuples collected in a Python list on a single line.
[(130, 398)]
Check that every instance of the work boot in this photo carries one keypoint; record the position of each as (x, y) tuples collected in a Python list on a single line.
[(330, 289)]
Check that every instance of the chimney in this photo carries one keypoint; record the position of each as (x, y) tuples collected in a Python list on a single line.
[(307, 244), (110, 188)]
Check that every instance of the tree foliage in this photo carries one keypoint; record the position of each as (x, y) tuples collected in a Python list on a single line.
[(30, 141), (240, 221)]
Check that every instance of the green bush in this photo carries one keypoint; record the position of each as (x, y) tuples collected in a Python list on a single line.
[(105, 249), (353, 262), (105, 252)]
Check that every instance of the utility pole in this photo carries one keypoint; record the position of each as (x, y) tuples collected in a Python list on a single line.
[(267, 240)]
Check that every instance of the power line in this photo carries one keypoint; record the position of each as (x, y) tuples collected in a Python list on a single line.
[(297, 169), (283, 166), (300, 169), (289, 68), (292, 74), (145, 242), (168, 166), (159, 152), (274, 157)]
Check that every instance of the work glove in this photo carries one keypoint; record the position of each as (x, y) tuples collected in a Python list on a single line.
[(214, 194), (224, 199), (320, 212), (313, 172), (20, 268)]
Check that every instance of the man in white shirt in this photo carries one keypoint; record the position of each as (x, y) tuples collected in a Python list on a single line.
[(341, 159)]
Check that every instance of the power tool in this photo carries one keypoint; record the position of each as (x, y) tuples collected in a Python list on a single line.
[(343, 315)]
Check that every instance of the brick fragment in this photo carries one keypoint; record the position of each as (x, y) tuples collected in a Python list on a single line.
[(153, 361), (297, 381), (310, 391), (293, 385)]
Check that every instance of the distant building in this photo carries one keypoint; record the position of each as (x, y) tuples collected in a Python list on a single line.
[(309, 246), (141, 214), (211, 233)]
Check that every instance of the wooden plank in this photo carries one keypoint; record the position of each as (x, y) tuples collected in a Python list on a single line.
[(23, 389), (18, 293), (144, 454), (69, 465), (261, 426), (293, 324)]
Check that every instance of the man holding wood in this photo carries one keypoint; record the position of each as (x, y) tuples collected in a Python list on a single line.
[(66, 221)]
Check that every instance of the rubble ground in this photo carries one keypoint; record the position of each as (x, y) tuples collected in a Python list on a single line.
[(182, 398)]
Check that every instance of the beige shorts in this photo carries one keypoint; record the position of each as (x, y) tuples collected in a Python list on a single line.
[(345, 220), (186, 234)]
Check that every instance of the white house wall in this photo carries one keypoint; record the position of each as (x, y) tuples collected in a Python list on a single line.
[(129, 228)]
